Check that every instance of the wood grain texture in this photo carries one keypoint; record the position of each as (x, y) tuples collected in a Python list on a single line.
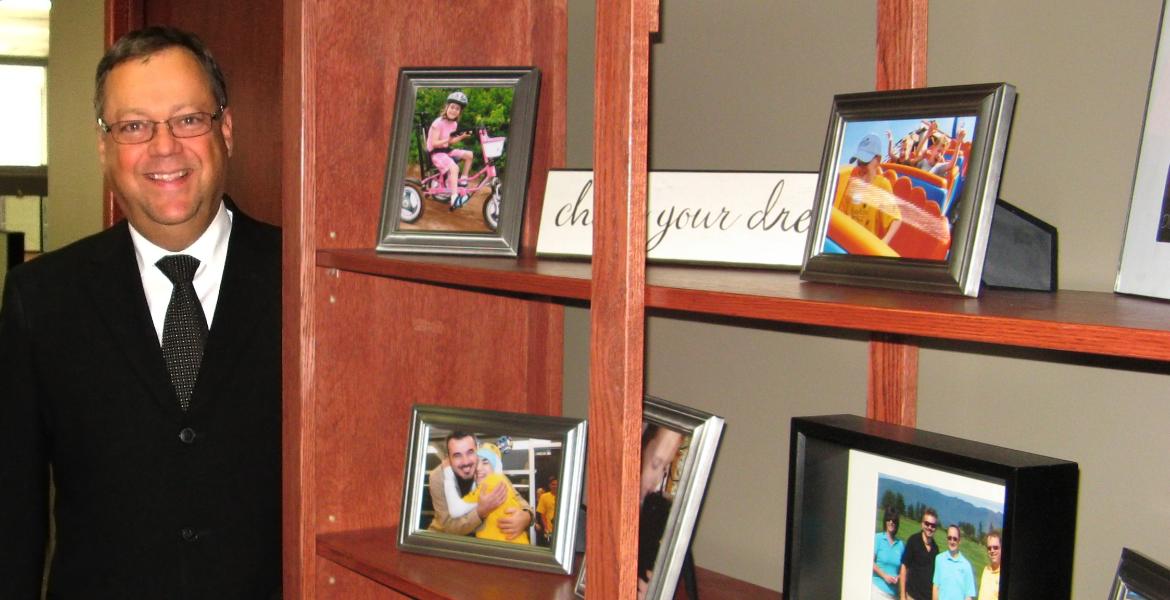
[(384, 345), (1072, 321), (901, 63), (246, 39), (373, 554), (618, 295), (299, 191), (901, 43), (361, 47), (892, 392), (352, 342), (337, 581)]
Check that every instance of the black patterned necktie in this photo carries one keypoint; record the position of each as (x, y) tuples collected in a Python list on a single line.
[(184, 328)]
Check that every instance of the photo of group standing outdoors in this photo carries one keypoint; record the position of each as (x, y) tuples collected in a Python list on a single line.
[(930, 545)]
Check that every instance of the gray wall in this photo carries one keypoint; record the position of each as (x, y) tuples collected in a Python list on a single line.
[(74, 207), (761, 74)]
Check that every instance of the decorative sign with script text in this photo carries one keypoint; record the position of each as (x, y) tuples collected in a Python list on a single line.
[(750, 219)]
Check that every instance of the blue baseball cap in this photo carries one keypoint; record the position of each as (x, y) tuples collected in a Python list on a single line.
[(869, 147)]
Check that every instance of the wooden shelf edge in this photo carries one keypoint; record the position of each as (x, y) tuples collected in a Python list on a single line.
[(560, 279), (372, 553), (1080, 322)]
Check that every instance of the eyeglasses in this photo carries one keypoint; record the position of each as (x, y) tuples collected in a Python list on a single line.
[(139, 131), (929, 525), (993, 548), (952, 538)]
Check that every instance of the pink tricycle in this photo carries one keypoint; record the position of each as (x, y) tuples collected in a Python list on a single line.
[(434, 184)]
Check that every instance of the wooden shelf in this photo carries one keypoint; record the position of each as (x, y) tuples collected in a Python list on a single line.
[(561, 279), (1083, 322), (372, 553)]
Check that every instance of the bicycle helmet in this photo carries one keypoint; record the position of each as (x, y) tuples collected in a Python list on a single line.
[(458, 98)]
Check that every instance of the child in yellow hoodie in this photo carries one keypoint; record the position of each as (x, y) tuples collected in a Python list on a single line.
[(488, 474)]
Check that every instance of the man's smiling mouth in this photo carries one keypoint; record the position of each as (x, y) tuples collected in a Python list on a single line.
[(169, 176)]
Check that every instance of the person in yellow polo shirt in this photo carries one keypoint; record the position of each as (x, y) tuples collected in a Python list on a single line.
[(989, 581), (546, 508)]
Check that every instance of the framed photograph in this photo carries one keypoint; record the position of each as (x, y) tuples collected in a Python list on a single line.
[(457, 169), (873, 507), (1140, 578), (490, 487), (907, 187), (1146, 250), (678, 448)]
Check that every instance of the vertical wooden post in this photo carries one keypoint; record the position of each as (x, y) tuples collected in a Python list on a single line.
[(893, 380), (619, 294), (901, 43), (901, 63)]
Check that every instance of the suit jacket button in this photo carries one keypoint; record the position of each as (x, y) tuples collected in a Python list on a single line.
[(187, 435), (189, 534)]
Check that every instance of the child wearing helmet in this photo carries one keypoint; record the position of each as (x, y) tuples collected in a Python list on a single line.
[(440, 141)]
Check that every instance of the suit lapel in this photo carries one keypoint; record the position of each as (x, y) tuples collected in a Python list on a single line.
[(115, 287), (237, 313)]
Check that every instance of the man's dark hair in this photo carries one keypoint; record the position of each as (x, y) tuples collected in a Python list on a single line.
[(458, 435), (143, 43)]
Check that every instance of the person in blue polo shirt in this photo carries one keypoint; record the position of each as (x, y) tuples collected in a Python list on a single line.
[(887, 557), (954, 579)]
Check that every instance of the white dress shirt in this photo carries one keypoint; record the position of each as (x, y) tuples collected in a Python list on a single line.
[(210, 249)]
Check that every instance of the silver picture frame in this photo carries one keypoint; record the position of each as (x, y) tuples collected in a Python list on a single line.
[(1140, 578), (1141, 268), (927, 232), (532, 448), (482, 215), (694, 435)]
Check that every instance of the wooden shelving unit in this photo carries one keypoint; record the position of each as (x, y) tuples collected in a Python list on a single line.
[(368, 335)]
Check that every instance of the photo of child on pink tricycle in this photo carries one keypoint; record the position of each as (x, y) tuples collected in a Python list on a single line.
[(458, 156)]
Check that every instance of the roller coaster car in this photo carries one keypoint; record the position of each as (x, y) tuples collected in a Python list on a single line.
[(923, 233)]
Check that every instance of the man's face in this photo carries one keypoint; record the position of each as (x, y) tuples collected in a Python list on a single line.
[(169, 188), (953, 538), (994, 551), (462, 456), (552, 486), (929, 524)]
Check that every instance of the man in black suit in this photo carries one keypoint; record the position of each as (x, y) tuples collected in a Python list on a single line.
[(163, 489)]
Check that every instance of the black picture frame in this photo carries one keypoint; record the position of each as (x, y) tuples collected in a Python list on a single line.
[(1038, 507), (909, 227), (1140, 578), (482, 216)]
